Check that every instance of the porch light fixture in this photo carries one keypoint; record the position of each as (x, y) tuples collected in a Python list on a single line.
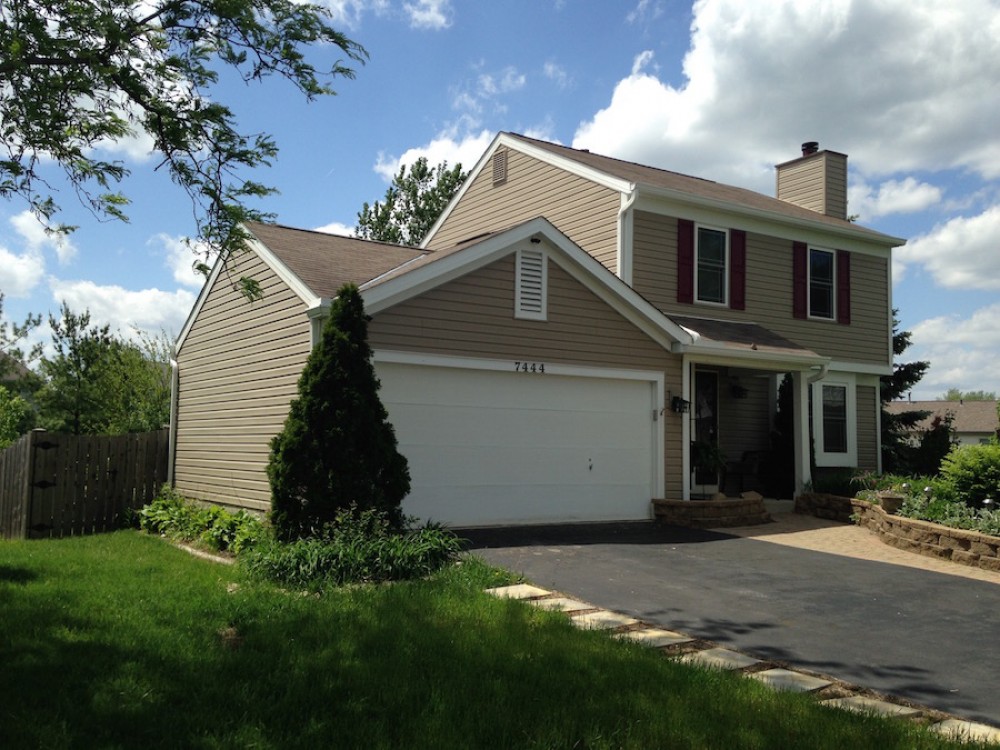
[(679, 405)]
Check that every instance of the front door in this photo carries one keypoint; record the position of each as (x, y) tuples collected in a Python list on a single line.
[(705, 415)]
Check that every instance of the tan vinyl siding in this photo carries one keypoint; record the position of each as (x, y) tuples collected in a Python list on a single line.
[(238, 370), (474, 317), (769, 293), (584, 211), (818, 183), (868, 426)]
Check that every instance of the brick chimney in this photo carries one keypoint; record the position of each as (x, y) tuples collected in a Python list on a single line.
[(817, 180)]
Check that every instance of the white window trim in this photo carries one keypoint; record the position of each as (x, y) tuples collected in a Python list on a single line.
[(809, 273), (726, 270), (519, 309), (823, 458)]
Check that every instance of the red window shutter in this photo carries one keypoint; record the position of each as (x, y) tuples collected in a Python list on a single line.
[(738, 269), (844, 287), (685, 260), (800, 280)]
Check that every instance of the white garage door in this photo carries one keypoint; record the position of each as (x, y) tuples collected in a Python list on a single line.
[(503, 447)]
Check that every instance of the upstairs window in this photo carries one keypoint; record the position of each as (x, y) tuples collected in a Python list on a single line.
[(821, 283), (711, 268), (822, 265)]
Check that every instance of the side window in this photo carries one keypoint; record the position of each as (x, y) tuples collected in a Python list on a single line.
[(835, 418), (712, 266), (822, 275)]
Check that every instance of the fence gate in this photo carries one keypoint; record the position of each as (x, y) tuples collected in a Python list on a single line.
[(52, 484)]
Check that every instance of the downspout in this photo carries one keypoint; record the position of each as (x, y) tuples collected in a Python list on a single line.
[(172, 440), (625, 250)]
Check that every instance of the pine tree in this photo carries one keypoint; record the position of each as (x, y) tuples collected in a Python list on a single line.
[(337, 448), (896, 452)]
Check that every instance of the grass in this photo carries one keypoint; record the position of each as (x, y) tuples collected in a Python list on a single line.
[(122, 641)]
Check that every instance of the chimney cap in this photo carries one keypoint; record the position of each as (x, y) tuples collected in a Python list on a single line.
[(810, 147)]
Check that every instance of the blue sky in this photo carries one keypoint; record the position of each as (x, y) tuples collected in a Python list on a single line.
[(723, 89)]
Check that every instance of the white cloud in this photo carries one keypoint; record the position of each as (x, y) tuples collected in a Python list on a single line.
[(892, 197), (150, 310), (350, 12), (488, 90), (180, 259), (429, 14), (450, 146), (961, 253), (646, 10), (964, 352), (20, 273), (37, 239), (506, 81), (899, 85), (557, 74), (335, 227)]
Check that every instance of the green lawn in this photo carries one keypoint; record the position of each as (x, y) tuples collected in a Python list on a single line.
[(122, 641)]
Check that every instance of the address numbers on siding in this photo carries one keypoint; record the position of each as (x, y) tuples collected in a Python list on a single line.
[(536, 367)]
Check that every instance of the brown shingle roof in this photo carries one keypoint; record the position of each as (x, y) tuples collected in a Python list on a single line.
[(325, 262), (743, 336), (697, 186), (967, 416)]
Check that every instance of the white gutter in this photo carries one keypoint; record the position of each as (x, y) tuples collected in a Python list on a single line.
[(625, 243)]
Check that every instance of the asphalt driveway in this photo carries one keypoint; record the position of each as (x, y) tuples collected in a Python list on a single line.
[(924, 636)]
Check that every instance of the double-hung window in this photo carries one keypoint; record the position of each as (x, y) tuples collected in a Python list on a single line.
[(712, 266), (822, 283)]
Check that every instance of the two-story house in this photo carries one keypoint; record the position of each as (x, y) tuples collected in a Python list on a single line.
[(576, 335)]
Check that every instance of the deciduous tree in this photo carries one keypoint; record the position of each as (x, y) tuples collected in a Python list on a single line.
[(80, 75)]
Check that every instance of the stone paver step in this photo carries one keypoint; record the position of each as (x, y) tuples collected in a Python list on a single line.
[(967, 730), (720, 658), (518, 591), (603, 620), (655, 637), (561, 604), (787, 679), (861, 704)]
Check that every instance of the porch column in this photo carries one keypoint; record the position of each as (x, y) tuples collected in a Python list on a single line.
[(803, 475)]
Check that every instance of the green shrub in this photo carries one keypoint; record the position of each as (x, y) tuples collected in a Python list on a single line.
[(973, 473), (358, 546), (177, 517)]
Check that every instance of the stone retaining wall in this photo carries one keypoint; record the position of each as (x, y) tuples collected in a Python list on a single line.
[(821, 505), (711, 514), (931, 539)]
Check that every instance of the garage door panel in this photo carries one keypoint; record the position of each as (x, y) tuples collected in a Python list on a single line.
[(493, 447)]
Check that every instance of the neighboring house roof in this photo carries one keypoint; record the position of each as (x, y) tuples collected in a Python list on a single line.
[(643, 176), (967, 416), (11, 369)]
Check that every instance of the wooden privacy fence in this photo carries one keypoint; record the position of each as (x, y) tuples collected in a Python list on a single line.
[(59, 485)]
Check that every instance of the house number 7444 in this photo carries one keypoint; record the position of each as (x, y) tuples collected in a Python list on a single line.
[(538, 367)]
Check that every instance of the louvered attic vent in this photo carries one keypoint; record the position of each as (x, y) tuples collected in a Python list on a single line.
[(500, 166), (532, 283)]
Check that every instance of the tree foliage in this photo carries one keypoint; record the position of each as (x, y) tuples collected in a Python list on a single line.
[(78, 75), (337, 449), (412, 204), (98, 383), (954, 394), (897, 455), (12, 336), (16, 417)]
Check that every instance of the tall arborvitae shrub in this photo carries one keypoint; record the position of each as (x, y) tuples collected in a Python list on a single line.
[(337, 448)]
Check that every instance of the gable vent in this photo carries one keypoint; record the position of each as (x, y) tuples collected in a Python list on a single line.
[(500, 166), (532, 272)]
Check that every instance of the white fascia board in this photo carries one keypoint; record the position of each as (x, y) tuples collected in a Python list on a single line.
[(469, 179), (580, 265), (271, 260), (707, 210), (712, 353), (860, 368), (569, 165)]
